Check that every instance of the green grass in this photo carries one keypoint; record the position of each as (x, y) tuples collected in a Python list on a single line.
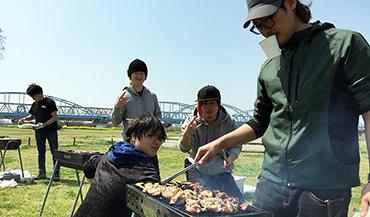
[(27, 200)]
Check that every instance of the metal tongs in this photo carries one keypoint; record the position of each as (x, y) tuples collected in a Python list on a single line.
[(168, 179)]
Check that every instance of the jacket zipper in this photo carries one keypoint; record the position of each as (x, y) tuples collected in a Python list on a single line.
[(289, 116), (296, 88)]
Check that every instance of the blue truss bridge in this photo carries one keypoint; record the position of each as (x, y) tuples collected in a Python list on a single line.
[(15, 105)]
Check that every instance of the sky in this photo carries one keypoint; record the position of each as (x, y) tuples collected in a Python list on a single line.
[(80, 50)]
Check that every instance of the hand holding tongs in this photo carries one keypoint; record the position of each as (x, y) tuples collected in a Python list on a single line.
[(166, 180)]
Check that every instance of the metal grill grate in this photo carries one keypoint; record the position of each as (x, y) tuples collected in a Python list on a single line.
[(145, 205)]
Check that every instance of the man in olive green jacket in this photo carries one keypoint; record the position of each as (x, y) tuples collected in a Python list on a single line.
[(308, 104)]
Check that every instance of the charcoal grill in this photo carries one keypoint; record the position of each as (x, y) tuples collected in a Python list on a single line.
[(71, 159), (74, 161), (145, 205), (10, 144)]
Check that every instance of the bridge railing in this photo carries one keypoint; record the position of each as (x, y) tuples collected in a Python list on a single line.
[(15, 105)]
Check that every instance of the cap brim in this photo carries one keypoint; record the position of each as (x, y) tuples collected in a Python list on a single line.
[(260, 11)]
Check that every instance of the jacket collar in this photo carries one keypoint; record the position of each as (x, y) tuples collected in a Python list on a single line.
[(125, 152), (306, 34), (131, 89)]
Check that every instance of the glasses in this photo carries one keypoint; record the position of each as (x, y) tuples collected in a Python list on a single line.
[(155, 138), (267, 23)]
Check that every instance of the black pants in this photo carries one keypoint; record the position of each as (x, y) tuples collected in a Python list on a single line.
[(286, 201), (223, 182)]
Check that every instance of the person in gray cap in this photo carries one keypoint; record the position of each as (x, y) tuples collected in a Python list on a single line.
[(208, 122), (135, 100), (307, 110)]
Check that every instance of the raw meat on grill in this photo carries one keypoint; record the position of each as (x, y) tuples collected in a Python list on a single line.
[(170, 191), (195, 198), (79, 151), (153, 189)]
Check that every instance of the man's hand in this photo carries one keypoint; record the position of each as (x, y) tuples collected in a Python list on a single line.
[(230, 164), (192, 126), (207, 153), (38, 126), (365, 200), (121, 101)]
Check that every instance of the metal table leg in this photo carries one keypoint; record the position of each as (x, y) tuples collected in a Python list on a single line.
[(3, 156), (78, 193), (1, 153), (20, 160), (78, 181), (47, 191)]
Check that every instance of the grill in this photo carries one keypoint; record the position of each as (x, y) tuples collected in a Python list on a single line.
[(12, 143), (145, 205), (71, 159)]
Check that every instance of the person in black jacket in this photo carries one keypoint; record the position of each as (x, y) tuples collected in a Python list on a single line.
[(125, 163), (44, 111)]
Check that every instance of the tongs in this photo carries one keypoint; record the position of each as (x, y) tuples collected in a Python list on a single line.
[(224, 155), (168, 179)]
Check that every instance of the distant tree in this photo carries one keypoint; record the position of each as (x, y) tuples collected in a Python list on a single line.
[(2, 42)]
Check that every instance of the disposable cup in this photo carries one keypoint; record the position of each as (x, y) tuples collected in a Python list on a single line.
[(271, 47)]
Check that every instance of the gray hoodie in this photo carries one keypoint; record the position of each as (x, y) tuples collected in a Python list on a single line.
[(206, 134), (147, 103)]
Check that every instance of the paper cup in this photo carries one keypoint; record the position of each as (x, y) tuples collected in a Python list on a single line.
[(271, 47)]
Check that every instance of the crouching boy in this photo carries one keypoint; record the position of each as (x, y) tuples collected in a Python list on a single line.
[(125, 163)]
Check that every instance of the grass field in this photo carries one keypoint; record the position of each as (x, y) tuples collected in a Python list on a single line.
[(26, 200)]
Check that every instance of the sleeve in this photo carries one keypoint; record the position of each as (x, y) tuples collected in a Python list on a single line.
[(356, 56), (31, 111), (53, 106), (157, 110), (262, 111), (90, 166), (117, 114)]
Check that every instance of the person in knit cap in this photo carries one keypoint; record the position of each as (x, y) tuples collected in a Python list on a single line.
[(208, 122), (135, 100)]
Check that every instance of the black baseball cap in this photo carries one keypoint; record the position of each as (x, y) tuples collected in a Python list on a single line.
[(208, 93), (261, 8)]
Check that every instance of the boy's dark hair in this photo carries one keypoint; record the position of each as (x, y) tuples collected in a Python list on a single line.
[(34, 89), (146, 124)]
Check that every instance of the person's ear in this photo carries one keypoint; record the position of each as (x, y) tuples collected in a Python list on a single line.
[(292, 4), (133, 137)]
